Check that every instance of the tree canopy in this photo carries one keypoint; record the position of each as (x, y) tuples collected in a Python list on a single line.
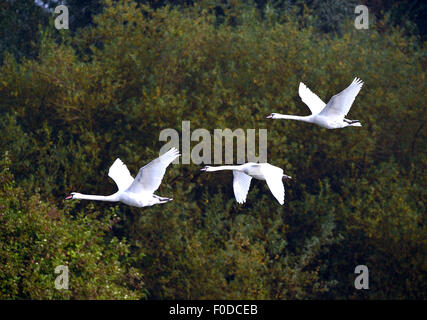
[(80, 98)]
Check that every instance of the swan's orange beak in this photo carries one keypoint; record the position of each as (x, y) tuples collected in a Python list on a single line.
[(69, 197), (269, 116)]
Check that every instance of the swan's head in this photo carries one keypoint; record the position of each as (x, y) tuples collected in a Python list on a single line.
[(72, 196), (272, 116), (207, 168)]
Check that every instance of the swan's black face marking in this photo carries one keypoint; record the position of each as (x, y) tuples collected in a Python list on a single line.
[(286, 177)]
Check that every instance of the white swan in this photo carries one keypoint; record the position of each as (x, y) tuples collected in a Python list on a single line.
[(244, 173), (331, 115), (138, 192)]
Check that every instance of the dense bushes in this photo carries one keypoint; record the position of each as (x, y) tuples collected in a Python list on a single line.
[(36, 237), (108, 90)]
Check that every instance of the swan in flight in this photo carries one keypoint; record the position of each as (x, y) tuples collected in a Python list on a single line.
[(331, 115), (138, 192), (244, 173)]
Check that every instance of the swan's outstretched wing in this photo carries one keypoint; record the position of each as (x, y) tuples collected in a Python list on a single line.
[(310, 99), (150, 176), (273, 177), (241, 183), (340, 104), (120, 174)]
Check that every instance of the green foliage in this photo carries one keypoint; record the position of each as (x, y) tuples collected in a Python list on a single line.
[(19, 26), (108, 90), (385, 215), (36, 237)]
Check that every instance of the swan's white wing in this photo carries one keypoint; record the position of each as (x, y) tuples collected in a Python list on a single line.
[(120, 174), (241, 183), (150, 176), (340, 104), (310, 99), (273, 176)]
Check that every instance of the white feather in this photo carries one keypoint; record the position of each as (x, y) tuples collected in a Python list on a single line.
[(120, 174), (310, 99), (138, 192), (340, 104), (261, 171), (241, 183), (330, 116), (150, 176)]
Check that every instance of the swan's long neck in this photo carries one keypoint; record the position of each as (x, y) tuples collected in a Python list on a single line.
[(219, 168), (112, 198), (291, 117)]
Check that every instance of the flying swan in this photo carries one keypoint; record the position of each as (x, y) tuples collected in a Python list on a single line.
[(331, 115), (138, 192), (244, 173)]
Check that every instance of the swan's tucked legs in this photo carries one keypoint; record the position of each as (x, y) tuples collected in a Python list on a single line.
[(351, 121), (162, 199)]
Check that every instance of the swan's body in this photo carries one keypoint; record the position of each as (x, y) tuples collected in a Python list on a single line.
[(331, 115), (138, 192), (244, 173)]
